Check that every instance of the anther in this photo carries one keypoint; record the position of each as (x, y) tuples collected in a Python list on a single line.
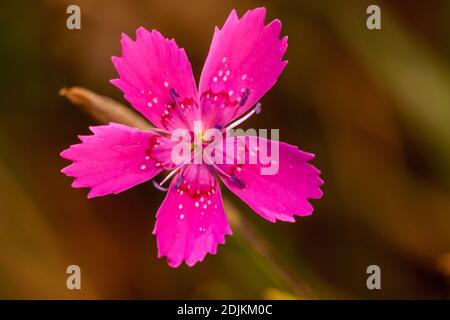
[(238, 181), (256, 110), (174, 93), (234, 179), (244, 97), (158, 186), (179, 181)]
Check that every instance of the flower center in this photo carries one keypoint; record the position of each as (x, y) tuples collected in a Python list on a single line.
[(202, 139)]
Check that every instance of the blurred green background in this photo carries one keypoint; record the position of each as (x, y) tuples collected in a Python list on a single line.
[(374, 106)]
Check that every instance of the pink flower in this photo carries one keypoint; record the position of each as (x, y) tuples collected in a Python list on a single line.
[(244, 62)]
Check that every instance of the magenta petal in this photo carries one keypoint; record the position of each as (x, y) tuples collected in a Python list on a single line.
[(279, 196), (114, 158), (244, 62), (191, 221), (149, 69)]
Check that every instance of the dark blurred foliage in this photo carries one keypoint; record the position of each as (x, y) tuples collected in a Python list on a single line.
[(374, 106)]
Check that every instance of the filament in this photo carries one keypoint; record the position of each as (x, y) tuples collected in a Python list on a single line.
[(256, 110)]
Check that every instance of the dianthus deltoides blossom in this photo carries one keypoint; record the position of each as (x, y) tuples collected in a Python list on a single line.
[(155, 75)]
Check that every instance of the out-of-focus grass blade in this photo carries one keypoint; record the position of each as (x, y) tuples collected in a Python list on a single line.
[(31, 260), (415, 75)]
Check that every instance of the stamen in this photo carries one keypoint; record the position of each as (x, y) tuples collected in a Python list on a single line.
[(159, 186), (174, 94), (234, 179), (255, 110)]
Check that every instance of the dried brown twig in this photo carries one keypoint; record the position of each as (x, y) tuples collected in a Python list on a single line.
[(103, 109)]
